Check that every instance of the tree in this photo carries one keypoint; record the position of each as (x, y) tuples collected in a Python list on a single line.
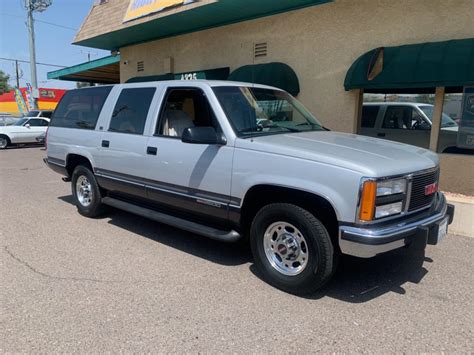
[(4, 87)]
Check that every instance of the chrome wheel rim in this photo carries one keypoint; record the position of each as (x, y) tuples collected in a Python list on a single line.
[(285, 248), (3, 143), (84, 191)]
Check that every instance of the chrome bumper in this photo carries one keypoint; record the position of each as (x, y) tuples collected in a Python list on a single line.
[(368, 241)]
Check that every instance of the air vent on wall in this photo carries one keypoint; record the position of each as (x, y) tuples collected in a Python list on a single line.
[(260, 50), (140, 66)]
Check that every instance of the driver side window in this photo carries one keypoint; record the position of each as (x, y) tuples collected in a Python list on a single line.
[(184, 108)]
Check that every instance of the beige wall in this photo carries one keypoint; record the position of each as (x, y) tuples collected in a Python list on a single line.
[(319, 43)]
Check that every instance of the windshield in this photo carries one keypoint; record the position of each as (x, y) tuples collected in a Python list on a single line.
[(257, 111), (446, 121), (20, 122), (32, 114)]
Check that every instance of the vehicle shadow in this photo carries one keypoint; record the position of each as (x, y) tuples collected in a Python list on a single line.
[(356, 280), (228, 254), (360, 280)]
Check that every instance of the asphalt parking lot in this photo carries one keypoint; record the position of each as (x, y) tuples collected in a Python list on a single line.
[(123, 283)]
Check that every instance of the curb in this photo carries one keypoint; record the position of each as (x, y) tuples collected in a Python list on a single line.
[(463, 223)]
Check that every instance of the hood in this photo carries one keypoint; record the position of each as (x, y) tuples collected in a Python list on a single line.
[(372, 157)]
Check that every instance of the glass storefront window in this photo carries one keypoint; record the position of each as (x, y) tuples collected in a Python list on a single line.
[(407, 118)]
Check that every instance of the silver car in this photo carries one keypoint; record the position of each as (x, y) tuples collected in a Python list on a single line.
[(229, 160), (409, 123)]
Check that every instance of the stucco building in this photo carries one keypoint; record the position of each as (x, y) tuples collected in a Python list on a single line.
[(319, 40)]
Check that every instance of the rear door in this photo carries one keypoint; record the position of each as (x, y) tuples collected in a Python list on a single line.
[(121, 163), (369, 119)]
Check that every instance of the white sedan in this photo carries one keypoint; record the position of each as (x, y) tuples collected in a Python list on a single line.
[(25, 130)]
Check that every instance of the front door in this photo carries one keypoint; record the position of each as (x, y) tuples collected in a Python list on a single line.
[(33, 128), (121, 165), (190, 178), (405, 124)]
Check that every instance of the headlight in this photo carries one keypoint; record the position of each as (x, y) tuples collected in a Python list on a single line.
[(382, 198), (391, 187), (388, 210)]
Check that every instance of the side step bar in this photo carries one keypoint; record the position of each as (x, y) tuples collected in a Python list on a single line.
[(213, 233)]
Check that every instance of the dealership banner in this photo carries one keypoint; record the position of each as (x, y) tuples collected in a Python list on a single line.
[(140, 8), (466, 126)]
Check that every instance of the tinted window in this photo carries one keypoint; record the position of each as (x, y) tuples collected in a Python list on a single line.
[(80, 108), (131, 109), (46, 114), (36, 122), (369, 115)]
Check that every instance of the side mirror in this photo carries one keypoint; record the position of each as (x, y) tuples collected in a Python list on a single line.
[(203, 135), (27, 125)]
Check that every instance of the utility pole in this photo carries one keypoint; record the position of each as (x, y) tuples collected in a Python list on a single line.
[(17, 74), (31, 35), (32, 6)]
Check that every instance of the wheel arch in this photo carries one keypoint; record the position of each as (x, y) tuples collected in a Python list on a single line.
[(73, 160), (263, 194)]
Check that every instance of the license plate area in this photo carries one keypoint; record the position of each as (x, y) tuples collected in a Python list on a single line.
[(442, 230)]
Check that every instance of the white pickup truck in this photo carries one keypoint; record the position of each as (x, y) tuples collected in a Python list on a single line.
[(230, 160)]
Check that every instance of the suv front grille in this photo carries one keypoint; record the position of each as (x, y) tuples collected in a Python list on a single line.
[(418, 199)]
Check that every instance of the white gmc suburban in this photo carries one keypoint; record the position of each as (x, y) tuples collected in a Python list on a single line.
[(228, 160)]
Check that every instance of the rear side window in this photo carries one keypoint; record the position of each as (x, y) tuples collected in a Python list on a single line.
[(80, 108), (131, 109), (369, 116)]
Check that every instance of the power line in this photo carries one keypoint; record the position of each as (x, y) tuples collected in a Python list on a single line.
[(45, 22), (27, 61)]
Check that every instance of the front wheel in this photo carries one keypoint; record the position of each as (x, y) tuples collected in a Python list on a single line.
[(86, 192), (292, 248)]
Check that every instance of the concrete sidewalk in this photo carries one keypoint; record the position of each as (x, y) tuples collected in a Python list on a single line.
[(463, 223)]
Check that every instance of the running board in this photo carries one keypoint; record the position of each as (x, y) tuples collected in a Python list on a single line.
[(213, 233)]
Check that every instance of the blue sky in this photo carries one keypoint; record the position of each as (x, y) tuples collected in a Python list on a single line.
[(53, 44)]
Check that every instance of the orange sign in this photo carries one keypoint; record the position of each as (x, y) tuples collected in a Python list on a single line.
[(140, 8)]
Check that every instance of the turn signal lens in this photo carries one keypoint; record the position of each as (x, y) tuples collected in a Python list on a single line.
[(367, 201)]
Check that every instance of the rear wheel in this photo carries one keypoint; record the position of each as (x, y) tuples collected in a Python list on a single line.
[(4, 141), (86, 192), (292, 248)]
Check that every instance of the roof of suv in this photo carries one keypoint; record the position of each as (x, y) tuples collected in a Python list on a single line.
[(212, 83), (413, 104)]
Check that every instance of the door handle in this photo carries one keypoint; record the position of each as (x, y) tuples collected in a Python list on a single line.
[(105, 144), (380, 134), (151, 150)]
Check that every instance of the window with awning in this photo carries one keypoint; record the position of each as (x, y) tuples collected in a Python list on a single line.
[(448, 64), (279, 75)]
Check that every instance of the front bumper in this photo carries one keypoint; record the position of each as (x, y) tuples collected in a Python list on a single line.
[(368, 241)]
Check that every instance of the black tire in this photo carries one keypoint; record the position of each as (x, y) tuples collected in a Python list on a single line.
[(95, 208), (7, 139), (321, 261)]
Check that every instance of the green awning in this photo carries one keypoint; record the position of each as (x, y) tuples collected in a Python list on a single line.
[(101, 71), (426, 65), (279, 75)]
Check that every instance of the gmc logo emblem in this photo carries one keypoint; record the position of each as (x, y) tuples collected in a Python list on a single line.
[(431, 189)]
